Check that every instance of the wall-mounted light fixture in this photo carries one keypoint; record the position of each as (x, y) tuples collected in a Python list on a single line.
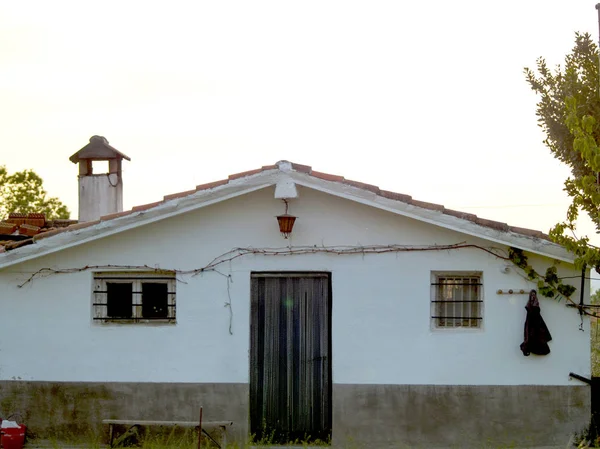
[(286, 222)]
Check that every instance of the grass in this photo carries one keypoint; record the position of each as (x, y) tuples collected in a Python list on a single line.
[(175, 439), (595, 355), (189, 440), (182, 438), (271, 439)]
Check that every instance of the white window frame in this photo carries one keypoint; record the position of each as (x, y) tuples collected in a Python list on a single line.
[(465, 311), (137, 279)]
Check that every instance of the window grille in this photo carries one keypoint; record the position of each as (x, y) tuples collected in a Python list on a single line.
[(134, 298), (456, 300)]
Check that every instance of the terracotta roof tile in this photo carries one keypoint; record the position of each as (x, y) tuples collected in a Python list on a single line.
[(245, 173), (14, 245), (529, 232), (426, 205), (85, 224), (20, 229), (17, 219), (7, 228), (459, 214), (146, 206), (395, 196), (302, 168), (327, 176), (178, 195), (212, 185), (36, 220), (493, 224), (30, 230), (60, 223), (50, 233), (362, 185), (116, 215)]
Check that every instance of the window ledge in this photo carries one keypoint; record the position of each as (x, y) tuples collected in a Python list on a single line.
[(471, 330), (135, 322)]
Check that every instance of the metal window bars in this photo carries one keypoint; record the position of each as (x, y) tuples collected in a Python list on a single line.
[(456, 301), (148, 299)]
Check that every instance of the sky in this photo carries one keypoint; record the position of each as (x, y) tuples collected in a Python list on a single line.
[(423, 98)]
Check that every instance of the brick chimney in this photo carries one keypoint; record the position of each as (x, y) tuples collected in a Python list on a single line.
[(102, 193)]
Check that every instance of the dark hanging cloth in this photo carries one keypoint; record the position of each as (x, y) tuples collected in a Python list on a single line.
[(537, 334)]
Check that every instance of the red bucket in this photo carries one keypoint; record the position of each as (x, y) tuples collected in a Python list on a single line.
[(13, 437)]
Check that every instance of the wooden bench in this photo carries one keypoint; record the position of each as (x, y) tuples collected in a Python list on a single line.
[(204, 426)]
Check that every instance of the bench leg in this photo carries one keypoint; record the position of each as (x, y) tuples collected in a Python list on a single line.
[(110, 435)]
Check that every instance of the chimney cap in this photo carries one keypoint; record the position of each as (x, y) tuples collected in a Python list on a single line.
[(98, 150)]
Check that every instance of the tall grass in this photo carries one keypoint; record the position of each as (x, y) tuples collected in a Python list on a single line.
[(595, 344)]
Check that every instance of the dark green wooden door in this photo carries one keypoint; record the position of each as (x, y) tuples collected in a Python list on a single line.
[(290, 357)]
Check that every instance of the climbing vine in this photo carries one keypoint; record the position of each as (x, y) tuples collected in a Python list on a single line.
[(549, 285)]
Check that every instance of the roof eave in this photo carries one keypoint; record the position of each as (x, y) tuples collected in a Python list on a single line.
[(435, 217), (238, 186), (102, 229)]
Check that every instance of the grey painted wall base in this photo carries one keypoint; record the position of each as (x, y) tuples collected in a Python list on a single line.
[(74, 411), (459, 416), (373, 416)]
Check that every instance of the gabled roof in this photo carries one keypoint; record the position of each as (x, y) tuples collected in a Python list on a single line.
[(282, 173)]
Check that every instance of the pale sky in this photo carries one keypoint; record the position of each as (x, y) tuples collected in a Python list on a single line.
[(425, 98)]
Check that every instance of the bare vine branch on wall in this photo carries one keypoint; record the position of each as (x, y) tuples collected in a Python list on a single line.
[(339, 250), (285, 251)]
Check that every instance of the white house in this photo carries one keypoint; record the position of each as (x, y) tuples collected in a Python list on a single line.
[(380, 320)]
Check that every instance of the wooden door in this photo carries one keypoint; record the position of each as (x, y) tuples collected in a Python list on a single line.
[(290, 357)]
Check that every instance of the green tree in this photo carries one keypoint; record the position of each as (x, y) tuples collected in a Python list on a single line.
[(24, 192), (568, 112)]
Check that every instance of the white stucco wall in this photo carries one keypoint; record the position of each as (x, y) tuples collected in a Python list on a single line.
[(381, 304)]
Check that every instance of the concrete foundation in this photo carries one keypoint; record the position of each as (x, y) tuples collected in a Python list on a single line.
[(74, 411), (374, 416), (458, 416)]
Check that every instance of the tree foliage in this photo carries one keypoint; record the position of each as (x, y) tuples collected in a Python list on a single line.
[(24, 192), (568, 112)]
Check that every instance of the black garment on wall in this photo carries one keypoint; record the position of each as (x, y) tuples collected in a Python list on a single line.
[(537, 334)]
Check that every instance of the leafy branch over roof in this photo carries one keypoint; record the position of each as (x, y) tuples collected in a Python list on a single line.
[(24, 192), (568, 112)]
